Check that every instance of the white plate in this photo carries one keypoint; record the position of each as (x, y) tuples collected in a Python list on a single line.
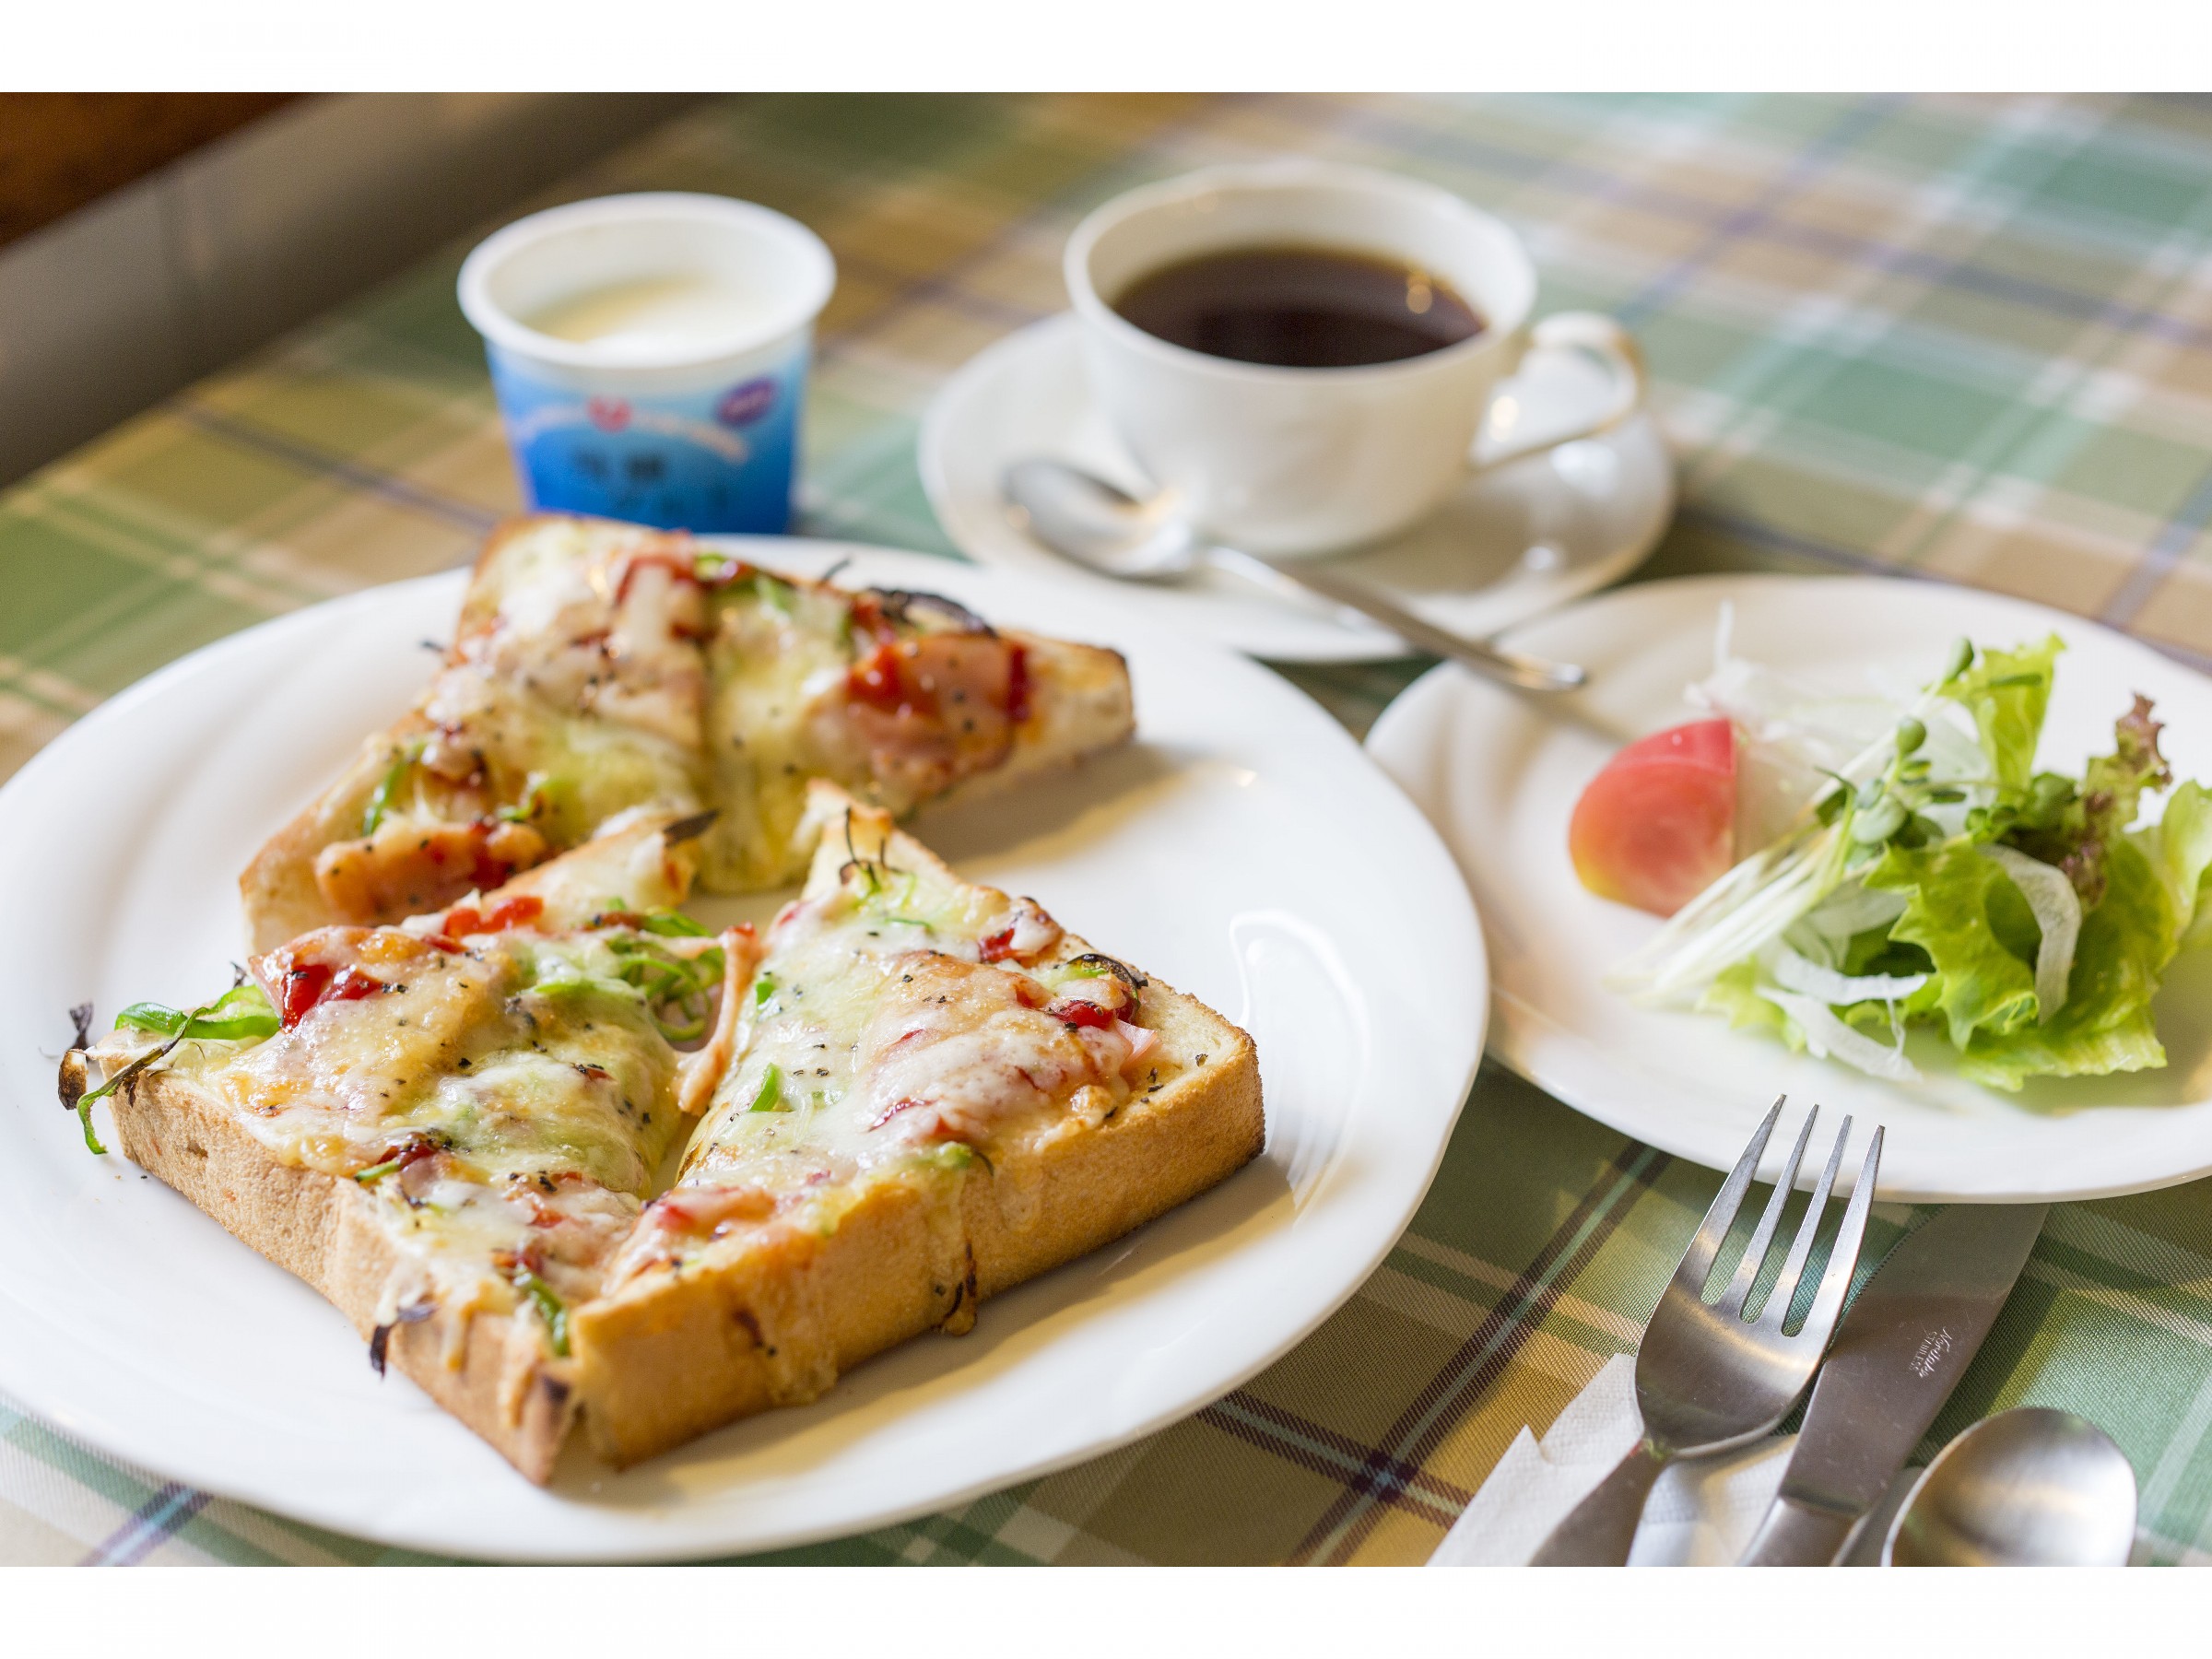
[(1513, 544), (1245, 849), (1499, 777)]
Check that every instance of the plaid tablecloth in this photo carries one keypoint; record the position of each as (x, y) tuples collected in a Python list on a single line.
[(1970, 339)]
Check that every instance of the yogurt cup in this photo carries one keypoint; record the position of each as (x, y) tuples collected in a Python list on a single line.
[(650, 355)]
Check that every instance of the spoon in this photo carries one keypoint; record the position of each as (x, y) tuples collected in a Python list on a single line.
[(1085, 519), (2029, 1488)]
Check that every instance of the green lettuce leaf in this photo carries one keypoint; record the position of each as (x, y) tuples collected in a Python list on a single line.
[(2008, 692), (2039, 1052), (2179, 848), (1962, 913), (2106, 1024), (2072, 827), (1733, 994)]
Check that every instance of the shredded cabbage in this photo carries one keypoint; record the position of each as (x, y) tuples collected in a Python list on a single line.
[(1793, 973), (1830, 1038), (2057, 912)]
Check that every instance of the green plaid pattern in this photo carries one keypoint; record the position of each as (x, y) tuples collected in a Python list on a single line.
[(1967, 339)]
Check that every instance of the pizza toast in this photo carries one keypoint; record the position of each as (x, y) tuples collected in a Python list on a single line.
[(599, 667), (446, 1129), (972, 1095)]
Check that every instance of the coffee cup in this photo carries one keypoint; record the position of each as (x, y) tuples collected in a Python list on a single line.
[(1285, 460)]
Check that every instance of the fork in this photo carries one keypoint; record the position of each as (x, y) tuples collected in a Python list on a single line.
[(1707, 1379)]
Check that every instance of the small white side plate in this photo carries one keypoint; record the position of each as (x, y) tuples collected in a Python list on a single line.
[(1500, 776), (1512, 543), (1245, 849)]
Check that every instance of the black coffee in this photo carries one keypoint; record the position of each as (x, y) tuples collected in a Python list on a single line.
[(1299, 308)]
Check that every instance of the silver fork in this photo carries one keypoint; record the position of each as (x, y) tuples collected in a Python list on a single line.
[(1707, 1379)]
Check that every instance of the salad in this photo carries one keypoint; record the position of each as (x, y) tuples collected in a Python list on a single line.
[(1911, 869)]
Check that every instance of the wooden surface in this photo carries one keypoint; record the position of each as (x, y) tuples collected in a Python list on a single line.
[(60, 150)]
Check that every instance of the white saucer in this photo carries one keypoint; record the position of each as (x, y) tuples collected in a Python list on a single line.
[(1512, 543), (1499, 776)]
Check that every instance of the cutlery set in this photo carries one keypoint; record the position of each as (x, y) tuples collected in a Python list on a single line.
[(2026, 1487)]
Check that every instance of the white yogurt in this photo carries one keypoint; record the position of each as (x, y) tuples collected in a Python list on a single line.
[(652, 316)]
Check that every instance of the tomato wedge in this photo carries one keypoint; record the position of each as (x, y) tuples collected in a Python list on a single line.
[(1658, 827)]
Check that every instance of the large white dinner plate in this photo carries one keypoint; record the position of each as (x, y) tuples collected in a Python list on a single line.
[(1514, 542), (1245, 849), (1500, 775)]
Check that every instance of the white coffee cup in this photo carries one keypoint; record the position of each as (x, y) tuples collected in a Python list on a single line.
[(1286, 461)]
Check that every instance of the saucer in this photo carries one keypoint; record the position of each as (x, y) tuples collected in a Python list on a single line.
[(1511, 543)]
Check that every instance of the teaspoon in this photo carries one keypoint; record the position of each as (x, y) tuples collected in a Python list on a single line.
[(2028, 1488), (1086, 520)]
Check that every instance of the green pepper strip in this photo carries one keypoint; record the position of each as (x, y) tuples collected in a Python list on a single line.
[(777, 595), (770, 1097), (242, 1011), (550, 1308), (380, 802), (376, 1171), (154, 1018), (683, 984)]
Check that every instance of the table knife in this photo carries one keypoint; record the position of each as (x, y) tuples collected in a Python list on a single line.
[(1902, 1347)]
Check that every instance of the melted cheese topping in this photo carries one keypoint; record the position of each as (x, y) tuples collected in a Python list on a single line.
[(777, 650), (586, 671), (896, 1031)]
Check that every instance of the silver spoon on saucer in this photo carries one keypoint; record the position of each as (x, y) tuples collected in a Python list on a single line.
[(1086, 520), (2028, 1488)]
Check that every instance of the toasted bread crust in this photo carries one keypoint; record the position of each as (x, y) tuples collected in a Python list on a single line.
[(277, 891), (327, 1231), (677, 1353)]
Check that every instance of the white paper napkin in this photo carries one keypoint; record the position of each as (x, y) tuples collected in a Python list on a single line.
[(1700, 1513)]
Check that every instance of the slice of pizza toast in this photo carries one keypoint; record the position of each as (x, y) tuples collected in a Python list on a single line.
[(939, 1093), (916, 1092), (599, 667), (446, 1128)]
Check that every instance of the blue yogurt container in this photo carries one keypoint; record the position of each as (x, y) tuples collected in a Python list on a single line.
[(650, 355)]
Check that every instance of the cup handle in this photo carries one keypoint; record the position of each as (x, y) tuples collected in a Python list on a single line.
[(1595, 334)]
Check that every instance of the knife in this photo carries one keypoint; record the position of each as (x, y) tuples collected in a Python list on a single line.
[(1902, 1347)]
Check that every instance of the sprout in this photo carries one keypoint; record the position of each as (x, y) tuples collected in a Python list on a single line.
[(1879, 822)]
